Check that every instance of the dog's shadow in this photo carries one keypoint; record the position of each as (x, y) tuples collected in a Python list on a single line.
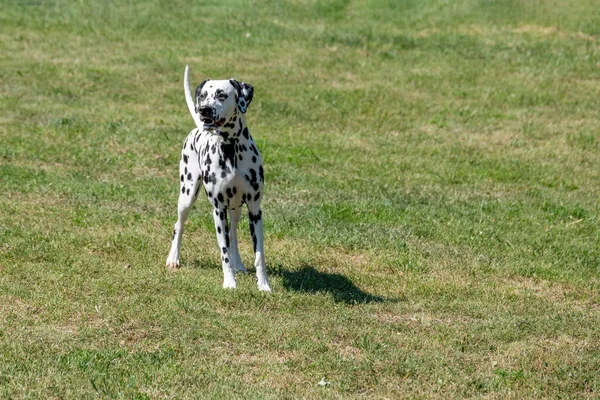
[(311, 281), (308, 280)]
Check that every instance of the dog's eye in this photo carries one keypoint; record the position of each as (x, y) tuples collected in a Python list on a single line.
[(222, 96), (203, 96)]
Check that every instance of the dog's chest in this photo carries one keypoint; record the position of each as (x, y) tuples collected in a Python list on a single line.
[(231, 171)]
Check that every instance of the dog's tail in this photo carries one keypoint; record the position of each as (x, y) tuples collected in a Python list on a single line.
[(188, 97)]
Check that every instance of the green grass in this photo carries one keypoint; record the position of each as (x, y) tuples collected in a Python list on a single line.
[(431, 216)]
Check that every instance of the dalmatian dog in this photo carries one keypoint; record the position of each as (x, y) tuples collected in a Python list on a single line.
[(221, 155)]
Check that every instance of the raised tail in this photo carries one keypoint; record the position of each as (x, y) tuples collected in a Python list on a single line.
[(188, 97)]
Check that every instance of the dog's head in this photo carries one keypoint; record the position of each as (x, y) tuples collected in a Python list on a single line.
[(218, 102)]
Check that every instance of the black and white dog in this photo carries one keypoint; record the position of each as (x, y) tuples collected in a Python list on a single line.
[(221, 154)]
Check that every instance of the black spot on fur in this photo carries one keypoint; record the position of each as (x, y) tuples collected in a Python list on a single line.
[(219, 230), (183, 189), (224, 249), (261, 173), (254, 242), (257, 196), (181, 177), (226, 260), (245, 133), (220, 197), (189, 176), (199, 91), (228, 152), (185, 158), (253, 159), (254, 218)]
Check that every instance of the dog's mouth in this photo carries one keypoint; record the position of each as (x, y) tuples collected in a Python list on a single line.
[(210, 124)]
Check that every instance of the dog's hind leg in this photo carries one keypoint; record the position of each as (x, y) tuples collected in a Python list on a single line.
[(256, 229), (189, 178), (236, 261), (220, 217)]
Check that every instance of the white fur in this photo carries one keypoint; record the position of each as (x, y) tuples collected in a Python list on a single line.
[(188, 97)]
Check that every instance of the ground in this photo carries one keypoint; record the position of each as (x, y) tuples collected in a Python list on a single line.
[(431, 209)]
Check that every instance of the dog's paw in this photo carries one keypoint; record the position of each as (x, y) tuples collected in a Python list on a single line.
[(229, 284), (172, 263), (264, 286)]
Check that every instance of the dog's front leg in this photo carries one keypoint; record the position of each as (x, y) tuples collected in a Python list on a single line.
[(256, 229), (189, 186), (236, 261), (220, 217)]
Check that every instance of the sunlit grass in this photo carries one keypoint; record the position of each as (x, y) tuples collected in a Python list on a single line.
[(431, 212)]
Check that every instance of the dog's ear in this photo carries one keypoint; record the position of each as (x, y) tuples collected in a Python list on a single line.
[(245, 93), (198, 92)]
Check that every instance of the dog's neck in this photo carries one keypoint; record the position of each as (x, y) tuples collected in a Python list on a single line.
[(235, 128)]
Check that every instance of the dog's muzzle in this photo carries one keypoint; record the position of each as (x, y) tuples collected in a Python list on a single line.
[(207, 113), (209, 118)]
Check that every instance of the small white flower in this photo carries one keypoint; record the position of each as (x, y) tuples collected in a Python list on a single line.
[(323, 382)]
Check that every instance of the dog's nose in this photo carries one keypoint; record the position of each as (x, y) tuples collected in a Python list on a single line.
[(206, 111)]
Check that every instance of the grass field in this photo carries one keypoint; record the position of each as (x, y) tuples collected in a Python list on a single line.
[(431, 210)]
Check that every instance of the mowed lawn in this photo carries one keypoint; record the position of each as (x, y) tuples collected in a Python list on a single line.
[(431, 209)]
